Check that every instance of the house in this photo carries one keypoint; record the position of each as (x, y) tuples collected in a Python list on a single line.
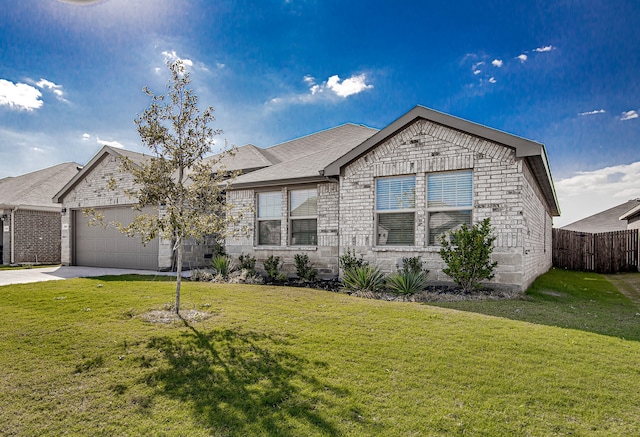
[(84, 244), (392, 193), (632, 217), (30, 220), (612, 219)]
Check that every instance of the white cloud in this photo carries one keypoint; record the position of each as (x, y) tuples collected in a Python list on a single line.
[(85, 137), (348, 87), (497, 63), (590, 192), (544, 49), (115, 144), (522, 57), (172, 56), (629, 115), (56, 89), (333, 87), (595, 111), (19, 96), (492, 79), (477, 72)]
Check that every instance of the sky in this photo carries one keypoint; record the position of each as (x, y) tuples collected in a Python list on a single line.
[(564, 73)]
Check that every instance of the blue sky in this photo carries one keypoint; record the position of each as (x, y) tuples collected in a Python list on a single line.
[(564, 73)]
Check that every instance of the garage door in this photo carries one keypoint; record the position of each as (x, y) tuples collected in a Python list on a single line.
[(97, 246)]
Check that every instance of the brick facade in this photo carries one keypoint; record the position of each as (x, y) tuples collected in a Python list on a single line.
[(36, 237), (504, 190)]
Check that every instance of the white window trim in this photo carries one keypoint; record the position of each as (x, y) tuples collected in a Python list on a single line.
[(264, 219), (291, 219), (377, 213)]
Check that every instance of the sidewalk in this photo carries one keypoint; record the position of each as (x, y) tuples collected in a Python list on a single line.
[(24, 276)]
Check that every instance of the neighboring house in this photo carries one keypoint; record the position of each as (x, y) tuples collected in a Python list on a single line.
[(612, 219), (95, 245), (31, 221), (632, 217), (392, 193)]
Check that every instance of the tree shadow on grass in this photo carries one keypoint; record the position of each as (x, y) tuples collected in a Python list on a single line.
[(244, 383)]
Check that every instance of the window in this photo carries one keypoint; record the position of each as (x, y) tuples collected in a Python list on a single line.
[(395, 211), (303, 216), (449, 202), (269, 217)]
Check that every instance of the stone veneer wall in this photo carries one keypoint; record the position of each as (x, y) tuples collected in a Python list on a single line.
[(37, 237), (93, 192), (323, 257), (502, 191)]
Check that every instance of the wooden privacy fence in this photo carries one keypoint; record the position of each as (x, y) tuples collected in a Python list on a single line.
[(606, 252)]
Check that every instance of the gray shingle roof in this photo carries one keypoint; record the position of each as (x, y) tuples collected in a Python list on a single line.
[(605, 221), (303, 158), (36, 188), (246, 158)]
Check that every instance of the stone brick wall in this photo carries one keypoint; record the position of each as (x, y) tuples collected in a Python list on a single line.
[(37, 237), (323, 257), (501, 191)]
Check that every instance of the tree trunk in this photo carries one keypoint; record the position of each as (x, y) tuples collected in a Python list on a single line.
[(178, 274)]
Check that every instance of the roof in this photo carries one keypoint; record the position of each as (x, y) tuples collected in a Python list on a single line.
[(302, 159), (534, 153), (245, 158), (136, 157), (36, 188), (605, 221), (633, 212)]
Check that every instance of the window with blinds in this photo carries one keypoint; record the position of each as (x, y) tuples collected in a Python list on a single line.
[(449, 203), (269, 218), (303, 217), (395, 211)]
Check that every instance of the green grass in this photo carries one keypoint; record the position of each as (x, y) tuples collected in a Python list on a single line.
[(568, 299), (25, 266), (78, 359)]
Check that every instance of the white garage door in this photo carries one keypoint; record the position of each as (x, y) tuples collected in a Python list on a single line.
[(97, 246)]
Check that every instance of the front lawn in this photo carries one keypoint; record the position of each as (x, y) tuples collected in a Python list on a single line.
[(78, 358)]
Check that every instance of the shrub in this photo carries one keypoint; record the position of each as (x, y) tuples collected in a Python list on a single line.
[(413, 264), (222, 265), (248, 263), (272, 267), (349, 261), (303, 267), (467, 253), (406, 282), (363, 278)]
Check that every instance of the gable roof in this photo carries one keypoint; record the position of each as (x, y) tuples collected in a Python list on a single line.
[(634, 212), (534, 153), (97, 158), (36, 188), (605, 221), (302, 159), (247, 158)]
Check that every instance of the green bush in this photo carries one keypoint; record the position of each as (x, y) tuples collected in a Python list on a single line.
[(222, 265), (349, 261), (272, 267), (467, 253), (363, 278), (406, 282), (303, 267), (248, 263), (413, 264)]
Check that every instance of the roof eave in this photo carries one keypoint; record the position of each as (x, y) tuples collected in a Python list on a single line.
[(631, 213), (279, 182)]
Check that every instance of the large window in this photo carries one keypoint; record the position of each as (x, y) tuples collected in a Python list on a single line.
[(449, 202), (269, 218), (303, 217), (395, 211)]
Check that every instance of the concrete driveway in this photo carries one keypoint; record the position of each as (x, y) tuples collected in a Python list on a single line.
[(23, 276)]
